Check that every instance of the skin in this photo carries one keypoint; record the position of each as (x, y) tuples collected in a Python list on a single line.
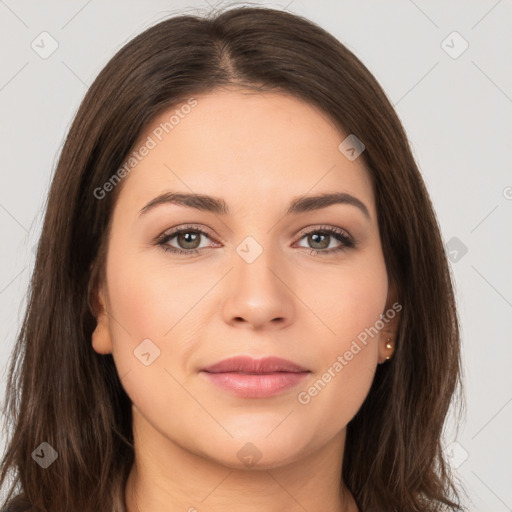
[(257, 152)]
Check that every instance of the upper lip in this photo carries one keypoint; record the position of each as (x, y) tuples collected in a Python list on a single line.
[(246, 364)]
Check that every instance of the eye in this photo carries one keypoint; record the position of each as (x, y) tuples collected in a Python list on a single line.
[(187, 238), (321, 238)]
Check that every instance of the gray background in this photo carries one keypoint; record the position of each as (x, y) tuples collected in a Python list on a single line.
[(456, 111)]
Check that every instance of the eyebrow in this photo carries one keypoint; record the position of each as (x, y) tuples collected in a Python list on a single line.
[(216, 205)]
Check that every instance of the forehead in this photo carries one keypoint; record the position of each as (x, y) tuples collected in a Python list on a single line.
[(245, 147)]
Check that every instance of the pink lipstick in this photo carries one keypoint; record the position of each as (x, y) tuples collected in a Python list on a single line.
[(255, 378)]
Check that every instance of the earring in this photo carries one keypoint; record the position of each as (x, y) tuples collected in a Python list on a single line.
[(389, 346)]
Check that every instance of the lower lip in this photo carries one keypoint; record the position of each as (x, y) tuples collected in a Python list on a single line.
[(255, 385)]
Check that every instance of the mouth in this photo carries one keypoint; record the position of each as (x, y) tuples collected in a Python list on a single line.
[(255, 378)]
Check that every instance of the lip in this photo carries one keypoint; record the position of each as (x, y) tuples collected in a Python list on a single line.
[(247, 364), (255, 378)]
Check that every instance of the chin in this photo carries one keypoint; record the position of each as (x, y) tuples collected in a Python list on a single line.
[(256, 452)]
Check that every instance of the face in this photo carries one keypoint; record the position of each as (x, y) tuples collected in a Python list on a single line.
[(189, 287)]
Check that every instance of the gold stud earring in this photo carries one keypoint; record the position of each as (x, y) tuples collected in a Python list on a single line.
[(389, 347)]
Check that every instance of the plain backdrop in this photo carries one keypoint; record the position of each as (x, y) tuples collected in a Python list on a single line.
[(444, 67)]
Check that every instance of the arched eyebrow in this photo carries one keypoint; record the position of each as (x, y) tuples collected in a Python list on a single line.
[(218, 206)]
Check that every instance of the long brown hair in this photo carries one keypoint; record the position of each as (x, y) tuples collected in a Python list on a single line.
[(60, 391)]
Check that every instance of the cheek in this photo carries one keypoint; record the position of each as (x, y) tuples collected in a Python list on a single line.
[(332, 397), (346, 299), (151, 300), (347, 348), (154, 328), (148, 295), (133, 308)]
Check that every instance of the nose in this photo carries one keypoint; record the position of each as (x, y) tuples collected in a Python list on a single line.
[(258, 295)]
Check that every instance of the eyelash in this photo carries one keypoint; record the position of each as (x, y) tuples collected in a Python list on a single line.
[(338, 234)]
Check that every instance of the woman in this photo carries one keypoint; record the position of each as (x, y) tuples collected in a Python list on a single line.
[(195, 340)]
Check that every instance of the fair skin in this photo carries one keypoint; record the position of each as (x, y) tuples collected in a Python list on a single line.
[(257, 152)]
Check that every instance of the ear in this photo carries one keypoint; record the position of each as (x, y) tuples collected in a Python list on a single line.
[(391, 320), (101, 338)]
